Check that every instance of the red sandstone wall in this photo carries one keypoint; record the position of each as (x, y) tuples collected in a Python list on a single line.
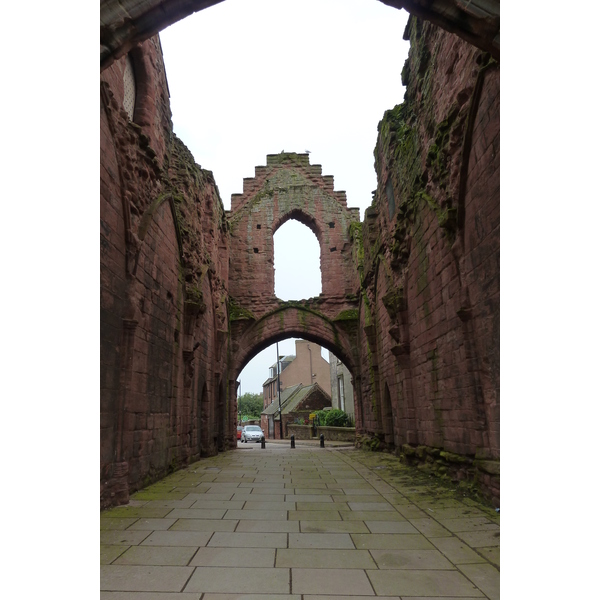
[(430, 293), (163, 290)]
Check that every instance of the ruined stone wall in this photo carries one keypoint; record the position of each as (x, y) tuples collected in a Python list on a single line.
[(428, 254), (162, 286)]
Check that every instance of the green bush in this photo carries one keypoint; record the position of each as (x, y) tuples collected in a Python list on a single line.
[(320, 416), (336, 418)]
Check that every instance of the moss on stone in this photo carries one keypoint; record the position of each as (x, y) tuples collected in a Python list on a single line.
[(238, 313), (347, 315)]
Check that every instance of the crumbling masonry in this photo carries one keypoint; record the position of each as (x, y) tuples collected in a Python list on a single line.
[(410, 299)]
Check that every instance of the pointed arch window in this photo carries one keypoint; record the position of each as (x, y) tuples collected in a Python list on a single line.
[(129, 87), (297, 262)]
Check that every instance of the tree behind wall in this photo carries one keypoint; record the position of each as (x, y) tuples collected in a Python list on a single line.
[(250, 405)]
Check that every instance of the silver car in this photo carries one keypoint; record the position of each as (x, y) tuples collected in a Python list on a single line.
[(252, 433)]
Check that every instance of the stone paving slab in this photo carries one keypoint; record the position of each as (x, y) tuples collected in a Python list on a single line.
[(234, 557), (216, 504), (178, 538), (203, 496), (324, 559), (139, 512), (239, 580), (371, 515), (151, 524), (345, 597), (455, 513), (156, 555), (323, 498), (480, 539), (197, 513), (147, 596), (390, 527), (110, 553), (314, 515), (321, 540), (203, 525), (469, 524), (131, 578), (183, 503), (267, 505), (257, 515), (331, 581), (251, 597), (456, 550), (249, 526), (249, 540), (491, 554), (422, 582), (118, 523), (123, 538), (430, 527), (386, 541), (410, 559), (333, 527), (485, 577), (371, 506), (330, 506), (370, 498)]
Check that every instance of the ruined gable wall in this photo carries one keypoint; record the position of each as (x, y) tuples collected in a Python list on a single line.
[(288, 187), (163, 289), (430, 292)]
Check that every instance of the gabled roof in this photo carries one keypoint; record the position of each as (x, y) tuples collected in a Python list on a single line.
[(291, 397), (285, 395), (286, 359)]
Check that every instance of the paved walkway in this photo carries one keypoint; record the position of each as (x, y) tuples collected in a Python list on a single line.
[(307, 523)]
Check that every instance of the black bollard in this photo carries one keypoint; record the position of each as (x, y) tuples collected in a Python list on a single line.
[(322, 441), (292, 441), (262, 442)]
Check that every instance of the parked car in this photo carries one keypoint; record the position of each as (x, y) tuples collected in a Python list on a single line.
[(239, 432), (252, 433)]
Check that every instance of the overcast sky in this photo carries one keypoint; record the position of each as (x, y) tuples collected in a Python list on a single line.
[(248, 79)]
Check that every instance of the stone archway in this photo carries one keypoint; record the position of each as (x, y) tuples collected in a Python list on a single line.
[(250, 336)]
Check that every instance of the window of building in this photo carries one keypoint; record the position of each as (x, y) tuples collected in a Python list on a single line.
[(341, 392)]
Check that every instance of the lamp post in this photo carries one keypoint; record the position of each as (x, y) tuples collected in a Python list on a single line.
[(279, 394)]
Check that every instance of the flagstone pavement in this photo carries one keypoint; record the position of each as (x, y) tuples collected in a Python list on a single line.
[(306, 523)]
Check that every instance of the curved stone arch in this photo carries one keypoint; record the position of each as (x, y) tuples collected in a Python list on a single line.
[(297, 214), (128, 22), (295, 322)]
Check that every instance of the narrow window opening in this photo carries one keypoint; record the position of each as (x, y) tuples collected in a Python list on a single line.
[(255, 250), (331, 225), (129, 88), (297, 262), (258, 227)]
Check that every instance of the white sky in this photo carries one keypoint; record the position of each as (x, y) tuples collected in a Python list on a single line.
[(248, 79)]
